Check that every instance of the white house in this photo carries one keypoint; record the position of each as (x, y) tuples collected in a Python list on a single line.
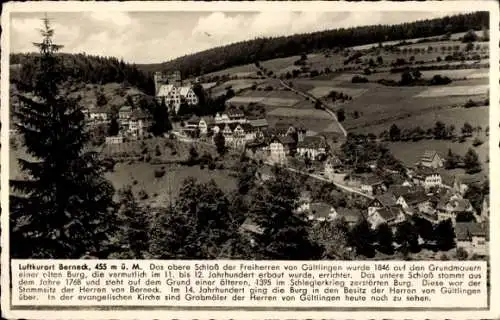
[(450, 206), (205, 123), (138, 124), (124, 115), (188, 94), (427, 177), (114, 140), (321, 211), (278, 151), (97, 115), (390, 215), (473, 237), (312, 147), (171, 95), (431, 159)]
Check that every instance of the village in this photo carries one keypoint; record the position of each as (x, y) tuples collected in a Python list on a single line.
[(424, 190)]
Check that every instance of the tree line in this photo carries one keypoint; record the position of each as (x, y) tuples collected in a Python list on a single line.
[(260, 49), (86, 68)]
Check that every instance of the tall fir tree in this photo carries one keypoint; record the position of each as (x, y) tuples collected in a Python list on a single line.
[(62, 208), (285, 232)]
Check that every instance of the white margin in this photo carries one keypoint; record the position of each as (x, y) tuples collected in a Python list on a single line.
[(72, 6)]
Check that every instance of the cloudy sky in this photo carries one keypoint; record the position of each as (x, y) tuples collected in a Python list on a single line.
[(150, 37)]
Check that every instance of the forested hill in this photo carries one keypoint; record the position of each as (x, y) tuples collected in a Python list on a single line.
[(87, 69), (269, 48)]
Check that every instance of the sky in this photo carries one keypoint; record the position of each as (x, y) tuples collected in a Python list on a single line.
[(153, 37)]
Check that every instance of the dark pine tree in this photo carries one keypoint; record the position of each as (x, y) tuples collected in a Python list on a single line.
[(114, 127), (285, 234), (62, 208), (161, 122), (132, 238)]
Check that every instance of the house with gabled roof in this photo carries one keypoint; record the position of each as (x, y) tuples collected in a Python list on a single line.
[(392, 215), (350, 216), (369, 183), (384, 200), (260, 124), (426, 177), (451, 205), (431, 159), (312, 147), (188, 95), (250, 229), (462, 183), (473, 237), (124, 114), (139, 123), (419, 199), (170, 95), (205, 124), (320, 211)]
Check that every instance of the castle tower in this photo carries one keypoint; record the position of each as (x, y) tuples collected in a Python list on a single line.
[(159, 79)]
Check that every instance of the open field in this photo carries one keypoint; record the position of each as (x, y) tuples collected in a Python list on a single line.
[(459, 74), (477, 116), (316, 125), (269, 101), (454, 36), (320, 92), (410, 152), (234, 70), (140, 176), (301, 113), (382, 105), (454, 91), (284, 94), (236, 85)]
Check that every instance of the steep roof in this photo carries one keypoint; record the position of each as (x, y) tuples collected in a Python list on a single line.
[(389, 213), (425, 172), (398, 191), (258, 122), (320, 209), (465, 230), (193, 120), (125, 109), (165, 90), (429, 155), (286, 140), (314, 142), (250, 226), (350, 215), (183, 91), (209, 120), (138, 114), (415, 198), (386, 199)]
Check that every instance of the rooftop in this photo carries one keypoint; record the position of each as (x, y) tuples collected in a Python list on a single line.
[(389, 213), (465, 230), (428, 155), (349, 215), (312, 142), (258, 122), (250, 226), (386, 199), (415, 197), (320, 209)]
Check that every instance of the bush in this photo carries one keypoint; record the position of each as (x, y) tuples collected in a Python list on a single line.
[(159, 173), (143, 195), (211, 166), (477, 142), (134, 182), (147, 158), (359, 79)]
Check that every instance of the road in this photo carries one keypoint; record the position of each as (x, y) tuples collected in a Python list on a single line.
[(306, 95)]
